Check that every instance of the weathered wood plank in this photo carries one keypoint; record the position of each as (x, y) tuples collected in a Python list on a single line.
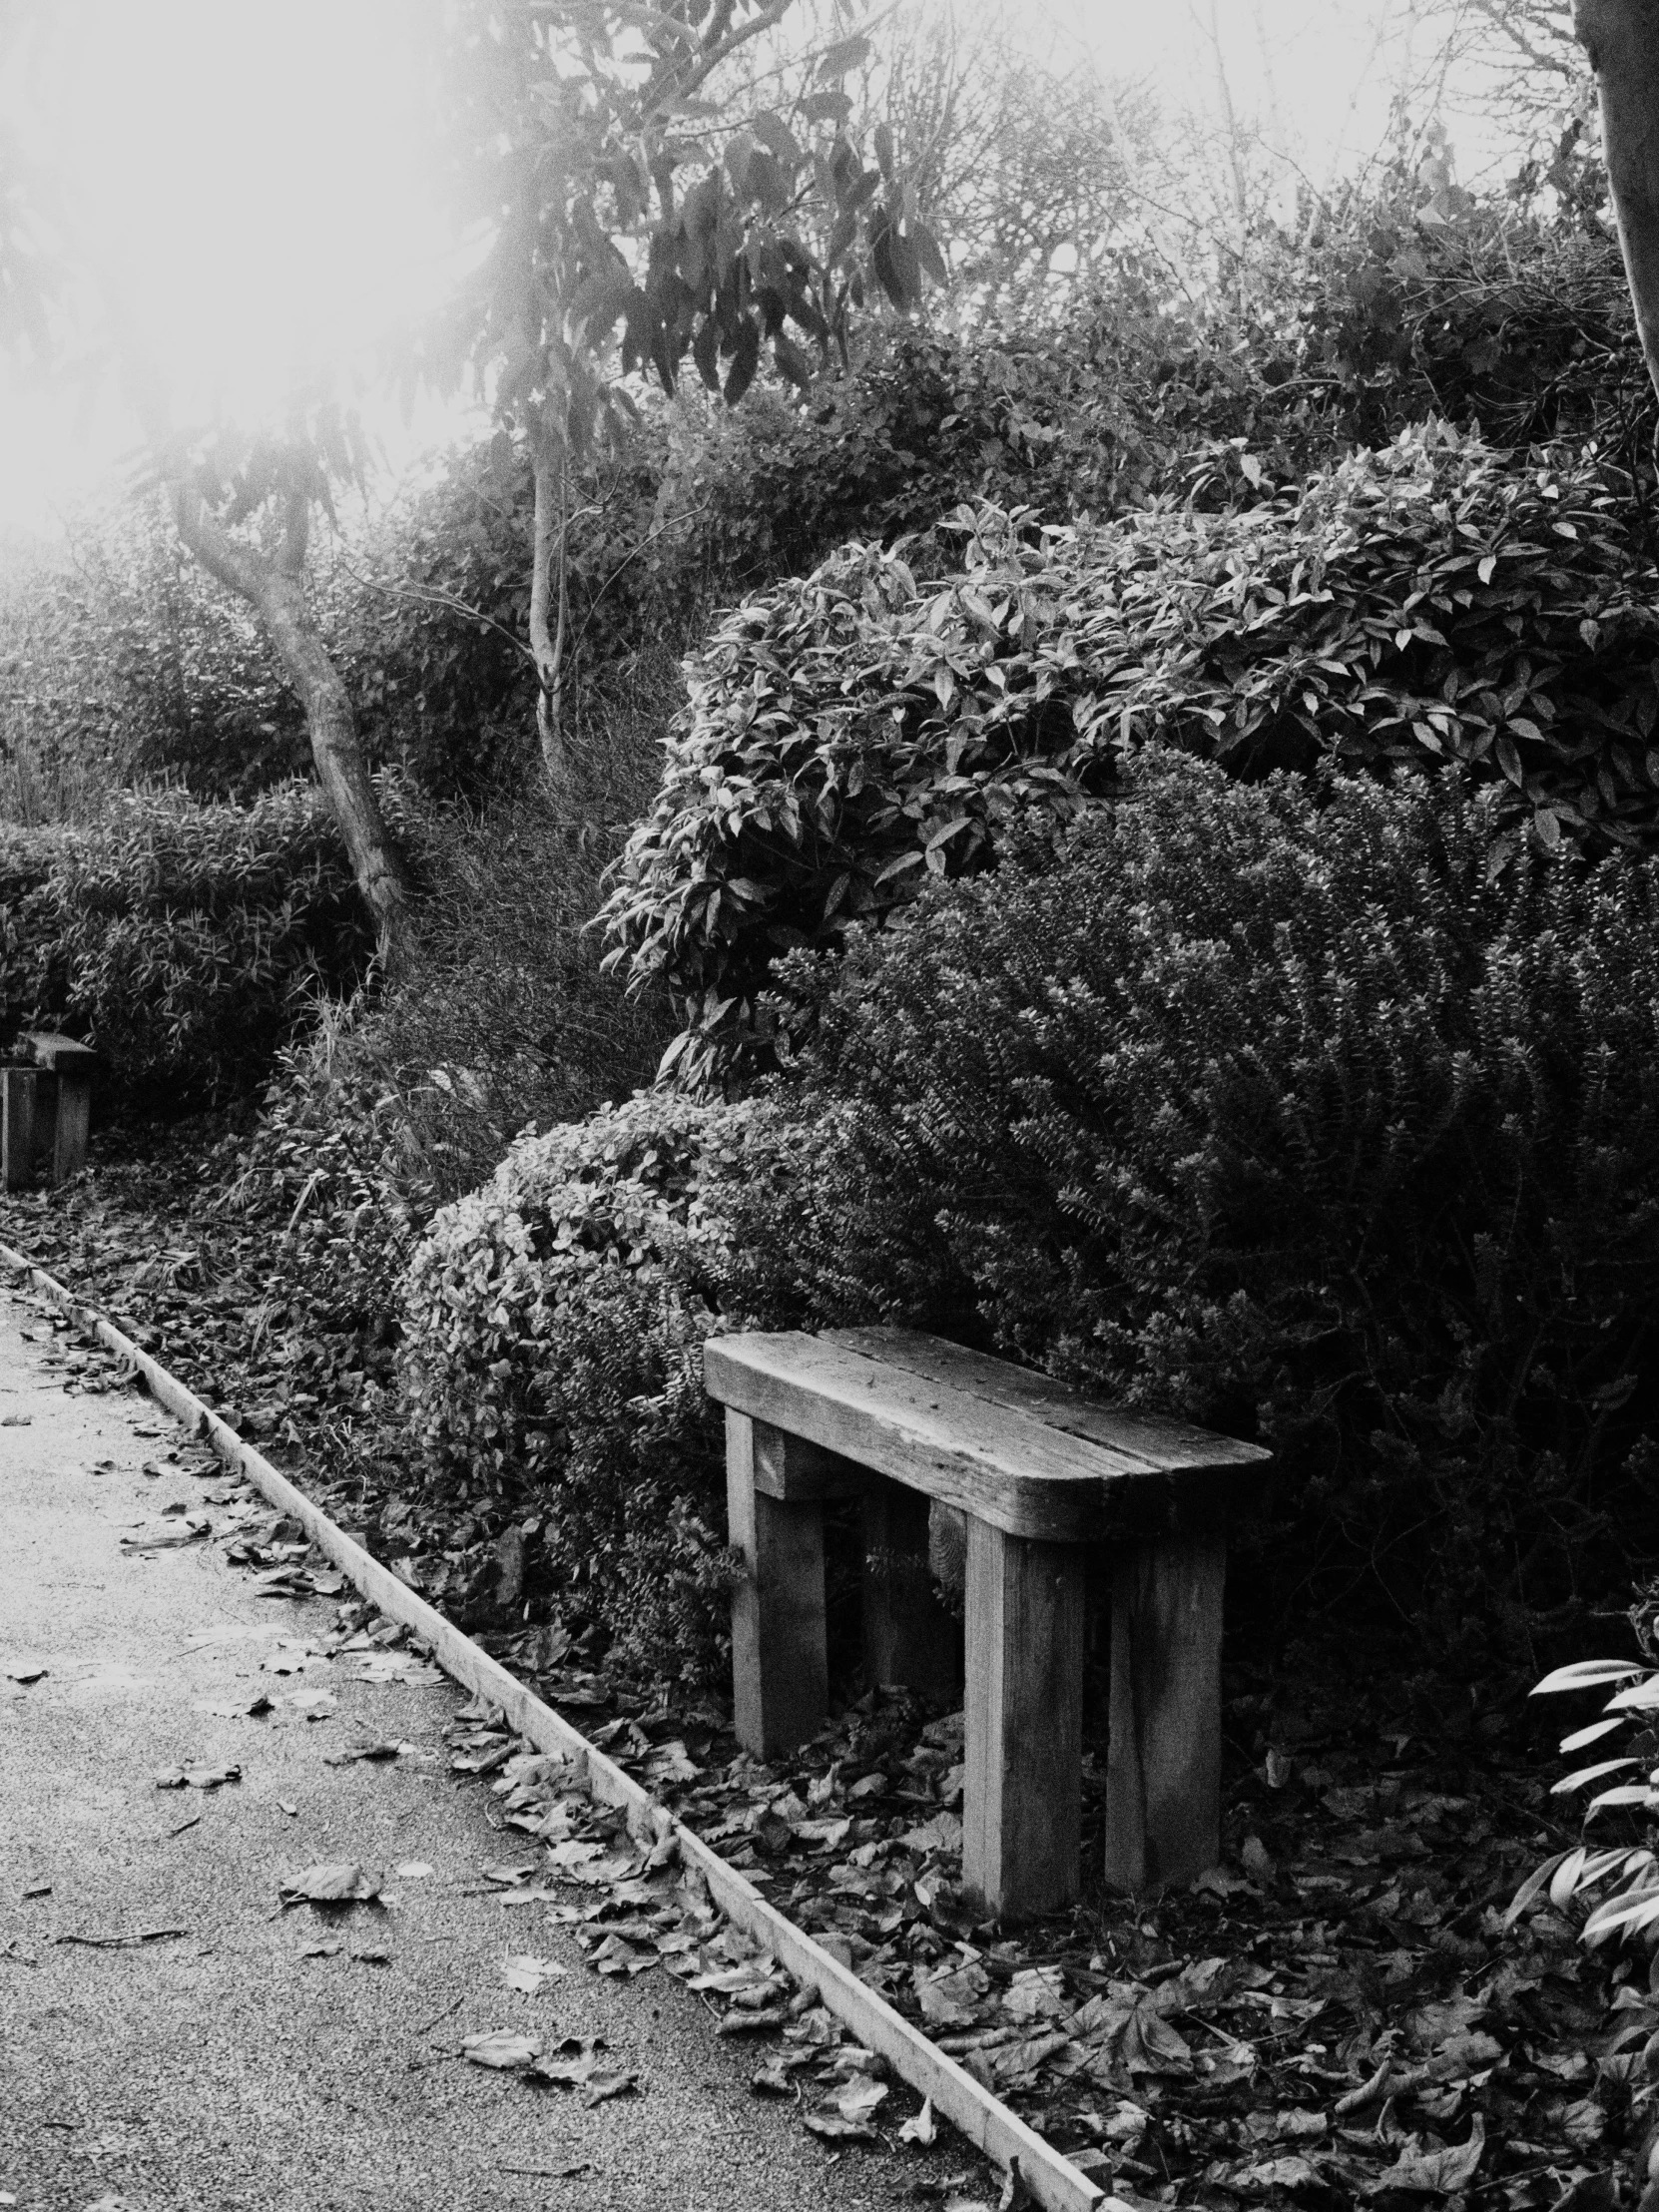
[(910, 1639), (69, 1139), (1163, 1769), (1022, 1791), (779, 1662), (63, 1055), (18, 1099), (1010, 1467), (1153, 1439), (790, 1467), (983, 2118)]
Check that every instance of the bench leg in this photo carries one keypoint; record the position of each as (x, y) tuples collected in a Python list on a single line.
[(18, 1087), (69, 1146), (1163, 1771), (1023, 1792), (910, 1639), (779, 1670)]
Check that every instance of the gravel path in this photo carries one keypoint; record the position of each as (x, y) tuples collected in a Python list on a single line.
[(220, 2066)]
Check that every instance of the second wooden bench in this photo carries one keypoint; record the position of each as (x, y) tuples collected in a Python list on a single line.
[(1040, 1472)]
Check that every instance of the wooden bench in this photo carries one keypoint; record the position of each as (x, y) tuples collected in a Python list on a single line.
[(1040, 1472), (45, 1109)]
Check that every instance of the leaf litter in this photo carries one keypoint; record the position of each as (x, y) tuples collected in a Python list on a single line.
[(1338, 2014)]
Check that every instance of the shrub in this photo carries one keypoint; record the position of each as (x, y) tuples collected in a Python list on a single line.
[(849, 734), (1284, 1112), (188, 941), (553, 1330), (846, 735), (191, 941)]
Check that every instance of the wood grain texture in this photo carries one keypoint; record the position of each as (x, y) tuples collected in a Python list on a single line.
[(779, 1662), (1023, 1792), (69, 1139), (790, 1467), (1003, 1463), (983, 2118), (18, 1094), (910, 1639), (1163, 1771)]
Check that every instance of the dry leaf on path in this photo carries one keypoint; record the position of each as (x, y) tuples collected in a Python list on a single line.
[(501, 2048), (923, 2129), (526, 1972), (340, 1881)]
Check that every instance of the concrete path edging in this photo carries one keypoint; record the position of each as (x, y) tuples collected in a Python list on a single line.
[(988, 2123)]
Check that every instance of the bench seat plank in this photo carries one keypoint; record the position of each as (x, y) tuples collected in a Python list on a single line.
[(1007, 1463), (1155, 1440), (62, 1055)]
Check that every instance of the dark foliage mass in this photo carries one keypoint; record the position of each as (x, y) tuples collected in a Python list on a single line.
[(1287, 1113)]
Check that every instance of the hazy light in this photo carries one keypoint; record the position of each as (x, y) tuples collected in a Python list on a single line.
[(257, 184)]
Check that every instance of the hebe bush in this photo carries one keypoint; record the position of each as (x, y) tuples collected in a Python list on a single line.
[(851, 733), (553, 1326), (1286, 1112)]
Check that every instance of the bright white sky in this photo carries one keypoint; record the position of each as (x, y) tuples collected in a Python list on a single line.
[(259, 181)]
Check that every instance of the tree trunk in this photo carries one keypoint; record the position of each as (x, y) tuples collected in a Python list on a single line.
[(275, 590), (550, 583), (1622, 39)]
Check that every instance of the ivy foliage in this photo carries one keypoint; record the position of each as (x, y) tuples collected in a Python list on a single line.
[(1287, 1114), (849, 735)]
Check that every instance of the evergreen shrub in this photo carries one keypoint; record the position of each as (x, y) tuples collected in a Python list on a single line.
[(1286, 1112), (852, 733), (553, 1326), (188, 942)]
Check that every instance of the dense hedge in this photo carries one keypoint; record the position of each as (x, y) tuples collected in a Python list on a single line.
[(186, 942), (848, 734), (1292, 1115)]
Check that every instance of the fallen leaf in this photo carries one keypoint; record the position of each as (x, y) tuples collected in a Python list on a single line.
[(923, 2130), (1437, 2174), (355, 1752), (340, 1881), (527, 1973), (600, 2088), (501, 2048)]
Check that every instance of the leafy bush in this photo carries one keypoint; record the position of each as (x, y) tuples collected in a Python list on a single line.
[(553, 1330), (1287, 1113), (1626, 1870), (849, 735), (187, 940), (846, 735)]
